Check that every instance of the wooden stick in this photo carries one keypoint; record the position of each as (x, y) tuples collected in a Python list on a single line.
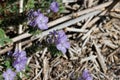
[(20, 26), (75, 30), (69, 1), (37, 74), (88, 33), (45, 68), (100, 58)]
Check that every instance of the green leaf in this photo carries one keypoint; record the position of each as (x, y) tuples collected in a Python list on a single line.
[(1, 77), (61, 6), (7, 39), (2, 33), (27, 68), (7, 64), (1, 43), (3, 38), (30, 4)]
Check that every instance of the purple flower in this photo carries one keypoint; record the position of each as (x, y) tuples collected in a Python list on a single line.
[(86, 75), (61, 41), (9, 75), (20, 65), (32, 23), (54, 6), (36, 13), (37, 19), (54, 33), (18, 54), (52, 37), (41, 22), (20, 60), (32, 14)]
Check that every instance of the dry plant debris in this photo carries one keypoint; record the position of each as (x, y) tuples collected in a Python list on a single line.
[(94, 33)]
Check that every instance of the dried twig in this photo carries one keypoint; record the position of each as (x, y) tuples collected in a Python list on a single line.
[(20, 26), (100, 58), (37, 75), (45, 69)]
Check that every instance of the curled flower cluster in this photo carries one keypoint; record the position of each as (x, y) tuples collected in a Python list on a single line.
[(9, 75), (60, 40), (86, 75), (37, 19), (19, 64), (20, 60), (54, 6)]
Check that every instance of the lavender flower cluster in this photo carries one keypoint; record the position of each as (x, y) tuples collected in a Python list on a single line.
[(9, 75), (54, 6), (60, 40), (19, 64), (86, 75), (36, 18), (20, 60)]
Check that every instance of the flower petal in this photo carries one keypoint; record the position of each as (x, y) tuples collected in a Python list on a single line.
[(42, 26), (66, 45), (45, 19), (61, 48)]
